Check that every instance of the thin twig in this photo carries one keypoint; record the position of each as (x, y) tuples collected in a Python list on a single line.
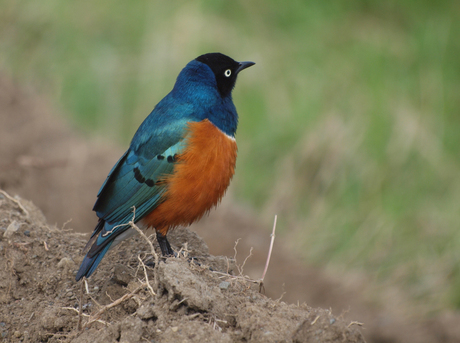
[(84, 314), (355, 323), (270, 249), (67, 222), (125, 297), (146, 276), (152, 249), (80, 310), (17, 202), (272, 240), (75, 310), (108, 296), (241, 269), (234, 248), (314, 321), (235, 277), (281, 296), (94, 300)]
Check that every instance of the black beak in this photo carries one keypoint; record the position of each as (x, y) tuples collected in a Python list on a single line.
[(244, 65)]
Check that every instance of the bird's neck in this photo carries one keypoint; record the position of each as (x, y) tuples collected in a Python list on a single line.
[(224, 116), (209, 104)]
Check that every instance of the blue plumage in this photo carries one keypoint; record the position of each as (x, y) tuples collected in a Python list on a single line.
[(135, 180)]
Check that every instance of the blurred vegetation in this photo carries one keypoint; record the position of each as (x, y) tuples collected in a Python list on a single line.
[(349, 123)]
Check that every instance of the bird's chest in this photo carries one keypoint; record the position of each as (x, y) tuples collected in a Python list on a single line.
[(204, 170), (201, 176)]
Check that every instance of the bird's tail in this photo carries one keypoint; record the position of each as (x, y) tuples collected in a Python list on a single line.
[(99, 243), (90, 263)]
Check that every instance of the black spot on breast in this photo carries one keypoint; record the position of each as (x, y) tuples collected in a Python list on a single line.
[(160, 157)]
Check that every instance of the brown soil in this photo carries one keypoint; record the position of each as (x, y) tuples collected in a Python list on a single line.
[(43, 160), (187, 302)]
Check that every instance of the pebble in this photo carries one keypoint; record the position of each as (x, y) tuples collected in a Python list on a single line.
[(12, 228), (17, 334), (224, 285), (65, 262), (174, 329), (332, 321), (27, 233), (122, 275)]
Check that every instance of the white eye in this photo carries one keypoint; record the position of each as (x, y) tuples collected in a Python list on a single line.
[(227, 73)]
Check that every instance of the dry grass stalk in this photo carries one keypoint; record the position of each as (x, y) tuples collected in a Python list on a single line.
[(146, 276), (17, 202), (272, 241), (355, 323), (97, 316), (243, 277), (80, 306), (152, 251)]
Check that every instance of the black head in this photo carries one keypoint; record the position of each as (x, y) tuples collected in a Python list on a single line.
[(225, 70)]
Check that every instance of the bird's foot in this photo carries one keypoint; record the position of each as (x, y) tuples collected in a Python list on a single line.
[(181, 254)]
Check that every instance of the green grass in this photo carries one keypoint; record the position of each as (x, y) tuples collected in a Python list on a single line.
[(349, 123)]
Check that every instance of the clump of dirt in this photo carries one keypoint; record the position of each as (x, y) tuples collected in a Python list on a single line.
[(205, 299)]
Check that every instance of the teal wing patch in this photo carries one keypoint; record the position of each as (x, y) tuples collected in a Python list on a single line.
[(133, 182)]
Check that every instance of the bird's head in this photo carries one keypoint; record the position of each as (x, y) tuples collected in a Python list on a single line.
[(225, 70)]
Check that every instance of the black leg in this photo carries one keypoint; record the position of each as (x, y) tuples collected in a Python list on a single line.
[(165, 247)]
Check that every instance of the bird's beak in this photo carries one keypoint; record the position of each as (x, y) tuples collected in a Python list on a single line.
[(244, 65)]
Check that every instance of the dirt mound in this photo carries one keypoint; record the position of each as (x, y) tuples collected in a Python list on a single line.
[(205, 300)]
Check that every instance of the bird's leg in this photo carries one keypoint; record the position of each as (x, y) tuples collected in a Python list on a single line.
[(165, 247)]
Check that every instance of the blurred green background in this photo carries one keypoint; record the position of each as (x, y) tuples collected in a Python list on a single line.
[(349, 123)]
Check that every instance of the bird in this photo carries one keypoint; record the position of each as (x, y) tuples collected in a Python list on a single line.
[(178, 165)]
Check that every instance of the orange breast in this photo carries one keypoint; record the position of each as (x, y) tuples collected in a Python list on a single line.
[(201, 176)]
